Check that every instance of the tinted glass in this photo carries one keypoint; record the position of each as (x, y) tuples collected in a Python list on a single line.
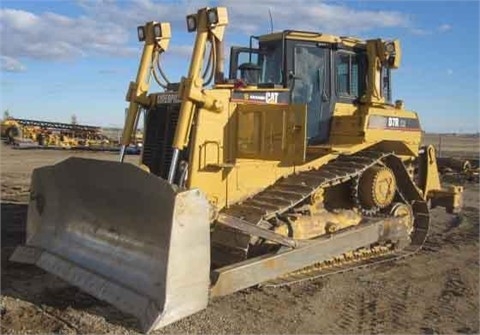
[(270, 61), (354, 83), (350, 74), (268, 58), (343, 64), (310, 63)]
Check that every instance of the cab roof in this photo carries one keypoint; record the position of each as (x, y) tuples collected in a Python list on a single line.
[(312, 36)]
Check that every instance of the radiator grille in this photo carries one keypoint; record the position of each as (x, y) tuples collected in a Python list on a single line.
[(160, 125)]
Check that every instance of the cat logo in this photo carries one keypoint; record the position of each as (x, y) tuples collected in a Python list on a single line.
[(271, 97)]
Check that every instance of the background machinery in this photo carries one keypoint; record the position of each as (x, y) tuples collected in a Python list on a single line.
[(297, 166), (21, 132)]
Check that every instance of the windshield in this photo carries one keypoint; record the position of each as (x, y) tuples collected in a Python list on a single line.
[(266, 63), (270, 62)]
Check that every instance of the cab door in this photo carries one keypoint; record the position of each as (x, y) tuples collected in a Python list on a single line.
[(309, 64)]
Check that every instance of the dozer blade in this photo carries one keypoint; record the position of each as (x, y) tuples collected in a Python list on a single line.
[(123, 235)]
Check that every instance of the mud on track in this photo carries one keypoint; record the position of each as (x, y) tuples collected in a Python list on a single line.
[(436, 291)]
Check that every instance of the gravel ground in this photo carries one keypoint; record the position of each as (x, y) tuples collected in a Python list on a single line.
[(435, 291)]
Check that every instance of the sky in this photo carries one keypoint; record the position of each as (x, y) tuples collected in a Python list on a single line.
[(60, 58)]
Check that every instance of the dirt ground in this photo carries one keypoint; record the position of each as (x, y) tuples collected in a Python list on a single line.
[(434, 292)]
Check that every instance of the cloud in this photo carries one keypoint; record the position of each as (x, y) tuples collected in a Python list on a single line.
[(449, 72), (180, 50), (108, 27), (420, 31), (309, 15), (10, 64), (444, 28), (109, 71), (49, 36), (423, 32)]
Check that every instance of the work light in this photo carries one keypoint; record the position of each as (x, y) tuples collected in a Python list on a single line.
[(390, 47), (191, 22), (157, 30), (212, 16), (141, 33)]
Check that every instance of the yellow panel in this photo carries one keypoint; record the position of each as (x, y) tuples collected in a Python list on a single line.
[(251, 176), (397, 130), (210, 151), (312, 36), (271, 132), (347, 124)]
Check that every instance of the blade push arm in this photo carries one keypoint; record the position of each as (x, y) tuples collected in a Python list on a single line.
[(156, 37), (209, 23)]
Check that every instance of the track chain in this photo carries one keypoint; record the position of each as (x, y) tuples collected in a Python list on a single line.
[(293, 190)]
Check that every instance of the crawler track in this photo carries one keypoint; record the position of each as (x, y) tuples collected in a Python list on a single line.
[(230, 245)]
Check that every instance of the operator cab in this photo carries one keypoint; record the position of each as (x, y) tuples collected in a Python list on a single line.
[(318, 69)]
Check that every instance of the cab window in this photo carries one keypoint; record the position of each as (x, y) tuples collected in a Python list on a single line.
[(386, 84), (266, 62), (350, 74)]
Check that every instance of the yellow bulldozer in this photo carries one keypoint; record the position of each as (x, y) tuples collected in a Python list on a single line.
[(296, 166)]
